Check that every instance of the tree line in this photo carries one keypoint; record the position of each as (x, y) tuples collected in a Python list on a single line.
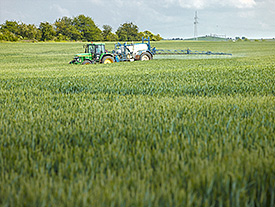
[(80, 28)]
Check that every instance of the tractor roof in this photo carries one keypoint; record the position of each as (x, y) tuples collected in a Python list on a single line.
[(96, 43)]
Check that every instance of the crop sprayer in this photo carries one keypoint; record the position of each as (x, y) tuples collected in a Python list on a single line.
[(96, 53)]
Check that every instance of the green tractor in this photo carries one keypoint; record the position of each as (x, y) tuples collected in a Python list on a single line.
[(94, 53)]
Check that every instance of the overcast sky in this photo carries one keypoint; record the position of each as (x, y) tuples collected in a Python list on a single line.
[(169, 18)]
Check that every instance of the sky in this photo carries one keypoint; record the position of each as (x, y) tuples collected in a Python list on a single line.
[(169, 18)]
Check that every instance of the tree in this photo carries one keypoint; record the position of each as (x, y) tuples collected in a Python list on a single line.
[(66, 30), (149, 34), (87, 28), (9, 31), (158, 37), (127, 32), (107, 34), (140, 35), (11, 26), (29, 32), (47, 31), (8, 36), (107, 30)]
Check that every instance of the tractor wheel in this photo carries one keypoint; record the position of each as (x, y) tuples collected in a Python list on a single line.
[(145, 56), (86, 62), (108, 59)]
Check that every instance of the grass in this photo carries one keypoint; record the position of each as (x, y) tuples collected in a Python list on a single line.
[(175, 132)]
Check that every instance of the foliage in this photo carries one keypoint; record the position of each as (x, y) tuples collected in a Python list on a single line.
[(47, 31), (149, 34), (87, 28), (9, 31), (8, 36), (30, 32), (175, 132), (127, 32), (13, 31), (11, 26), (80, 28), (107, 34), (65, 27)]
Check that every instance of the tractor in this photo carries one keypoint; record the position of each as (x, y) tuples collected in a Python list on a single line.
[(96, 53)]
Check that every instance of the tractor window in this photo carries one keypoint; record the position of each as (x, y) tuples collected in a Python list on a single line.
[(99, 49), (91, 48)]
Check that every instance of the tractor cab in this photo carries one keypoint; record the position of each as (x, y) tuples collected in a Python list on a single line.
[(95, 48), (95, 51)]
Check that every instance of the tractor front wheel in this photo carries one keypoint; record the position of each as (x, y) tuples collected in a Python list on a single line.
[(108, 59), (145, 56), (86, 62)]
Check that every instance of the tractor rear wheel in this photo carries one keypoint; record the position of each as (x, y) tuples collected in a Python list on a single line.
[(86, 62), (108, 59), (145, 56)]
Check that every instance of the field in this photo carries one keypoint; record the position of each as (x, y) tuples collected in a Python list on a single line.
[(166, 132)]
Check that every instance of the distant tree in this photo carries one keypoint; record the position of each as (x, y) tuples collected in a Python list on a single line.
[(158, 37), (11, 26), (8, 36), (9, 31), (23, 30), (29, 32), (127, 32), (107, 29), (149, 34), (87, 28), (107, 34), (140, 35), (47, 31), (65, 29)]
